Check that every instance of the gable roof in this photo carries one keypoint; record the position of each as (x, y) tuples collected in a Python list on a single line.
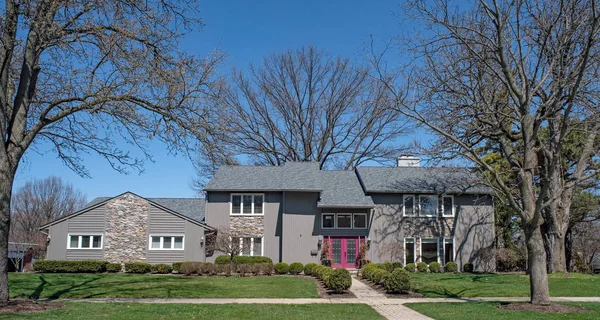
[(293, 176), (421, 180), (191, 209), (343, 189)]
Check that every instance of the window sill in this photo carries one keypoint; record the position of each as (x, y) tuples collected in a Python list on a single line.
[(155, 249), (84, 248), (246, 215)]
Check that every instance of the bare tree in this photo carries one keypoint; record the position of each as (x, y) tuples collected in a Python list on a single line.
[(88, 76), (227, 242), (586, 243), (491, 77), (305, 105), (39, 202)]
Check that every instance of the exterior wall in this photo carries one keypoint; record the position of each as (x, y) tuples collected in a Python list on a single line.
[(193, 236), (163, 223), (472, 228), (57, 247), (90, 223), (300, 228), (126, 235)]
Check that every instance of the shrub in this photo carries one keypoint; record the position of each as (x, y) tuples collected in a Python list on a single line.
[(508, 259), (251, 259), (398, 281), (137, 267), (161, 268), (222, 260), (468, 267), (366, 271), (451, 267), (282, 268), (188, 268), (73, 266), (325, 274), (387, 266), (410, 267), (296, 268), (206, 268), (177, 267), (422, 267), (309, 268), (434, 267), (396, 265), (380, 275), (267, 268), (339, 280), (113, 267), (243, 269), (318, 271)]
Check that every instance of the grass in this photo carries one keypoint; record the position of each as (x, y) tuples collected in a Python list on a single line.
[(126, 311), (488, 310), (156, 286), (502, 285)]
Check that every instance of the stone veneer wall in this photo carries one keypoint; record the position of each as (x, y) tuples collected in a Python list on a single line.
[(125, 238), (246, 226)]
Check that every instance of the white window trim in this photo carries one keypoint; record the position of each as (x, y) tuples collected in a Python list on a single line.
[(437, 241), (79, 240), (414, 249), (453, 210), (404, 205), (366, 221), (242, 204), (344, 214), (444, 250), (437, 207), (262, 246), (334, 221), (162, 239)]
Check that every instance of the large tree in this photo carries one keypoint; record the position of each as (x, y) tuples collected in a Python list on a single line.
[(305, 105), (90, 76), (495, 75)]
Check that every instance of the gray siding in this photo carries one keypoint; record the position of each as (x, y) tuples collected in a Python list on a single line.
[(342, 232), (193, 236), (161, 222), (57, 247), (300, 234), (88, 223), (474, 228)]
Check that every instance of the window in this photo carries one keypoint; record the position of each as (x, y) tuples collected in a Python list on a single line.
[(360, 221), (328, 221), (247, 204), (344, 221), (85, 242), (429, 250), (448, 206), (166, 242), (448, 250), (250, 246), (428, 205), (409, 250), (409, 206)]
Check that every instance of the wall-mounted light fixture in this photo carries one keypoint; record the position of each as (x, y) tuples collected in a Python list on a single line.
[(202, 242), (319, 242), (368, 243)]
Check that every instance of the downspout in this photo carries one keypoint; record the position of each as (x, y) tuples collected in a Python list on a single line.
[(283, 210)]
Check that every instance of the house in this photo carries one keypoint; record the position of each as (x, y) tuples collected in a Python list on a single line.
[(406, 213), (129, 228)]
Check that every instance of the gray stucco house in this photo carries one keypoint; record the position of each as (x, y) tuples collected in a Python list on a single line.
[(130, 228), (406, 213)]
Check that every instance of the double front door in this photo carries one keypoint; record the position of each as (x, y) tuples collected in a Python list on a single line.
[(344, 251)]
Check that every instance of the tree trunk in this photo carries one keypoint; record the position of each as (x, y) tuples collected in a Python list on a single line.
[(6, 182), (536, 259), (569, 250)]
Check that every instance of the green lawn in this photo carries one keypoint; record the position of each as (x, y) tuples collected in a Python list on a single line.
[(488, 310), (125, 311), (157, 286), (502, 285)]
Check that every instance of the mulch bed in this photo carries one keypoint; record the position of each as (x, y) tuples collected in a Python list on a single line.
[(25, 306), (553, 308), (380, 289)]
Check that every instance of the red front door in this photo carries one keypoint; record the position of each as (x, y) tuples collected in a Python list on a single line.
[(343, 251)]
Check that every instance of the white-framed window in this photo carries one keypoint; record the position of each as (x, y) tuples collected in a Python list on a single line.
[(87, 241), (409, 251), (247, 204), (328, 221), (447, 206), (429, 250), (449, 253), (167, 242), (408, 207), (251, 246), (359, 221), (428, 205)]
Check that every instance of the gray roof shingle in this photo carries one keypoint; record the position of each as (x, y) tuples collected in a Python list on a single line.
[(342, 189), (421, 180)]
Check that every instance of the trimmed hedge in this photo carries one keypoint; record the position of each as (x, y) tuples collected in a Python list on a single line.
[(410, 267), (224, 259), (379, 276), (161, 268), (138, 267), (398, 281), (387, 266), (113, 267), (339, 280), (296, 268), (422, 267), (177, 266), (451, 267), (70, 266), (468, 267), (309, 268), (434, 267), (282, 268), (396, 265)]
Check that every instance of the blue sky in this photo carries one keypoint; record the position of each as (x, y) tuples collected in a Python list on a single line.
[(248, 31)]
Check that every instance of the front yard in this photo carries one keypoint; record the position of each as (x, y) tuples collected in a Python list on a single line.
[(127, 311), (157, 286), (438, 285)]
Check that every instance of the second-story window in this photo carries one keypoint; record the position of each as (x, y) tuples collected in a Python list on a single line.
[(247, 204)]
